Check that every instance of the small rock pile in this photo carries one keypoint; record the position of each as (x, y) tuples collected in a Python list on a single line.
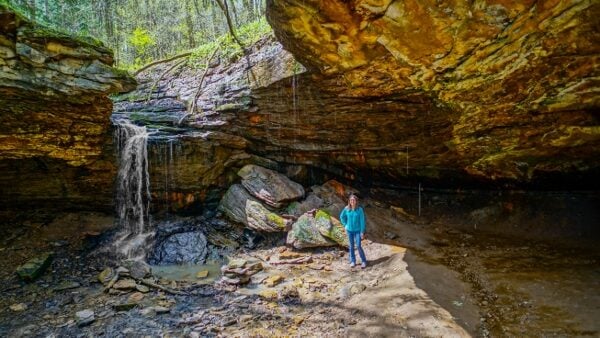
[(239, 271)]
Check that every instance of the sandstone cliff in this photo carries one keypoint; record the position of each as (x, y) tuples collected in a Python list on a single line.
[(512, 86), (55, 144)]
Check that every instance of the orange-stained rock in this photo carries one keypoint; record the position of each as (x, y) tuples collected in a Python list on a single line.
[(55, 143), (511, 85)]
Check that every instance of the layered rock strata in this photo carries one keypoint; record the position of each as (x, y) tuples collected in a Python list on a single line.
[(510, 87), (55, 143)]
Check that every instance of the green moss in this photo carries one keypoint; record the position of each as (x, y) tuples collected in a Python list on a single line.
[(291, 208), (322, 214), (276, 219)]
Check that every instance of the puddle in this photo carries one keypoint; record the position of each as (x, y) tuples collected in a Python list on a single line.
[(188, 272)]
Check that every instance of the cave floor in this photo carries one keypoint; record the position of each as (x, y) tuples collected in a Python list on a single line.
[(425, 280)]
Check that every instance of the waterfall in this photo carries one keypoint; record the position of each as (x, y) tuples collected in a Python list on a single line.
[(133, 189)]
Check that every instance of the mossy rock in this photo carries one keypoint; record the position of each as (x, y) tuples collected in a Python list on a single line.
[(331, 228), (261, 219), (34, 268), (305, 234)]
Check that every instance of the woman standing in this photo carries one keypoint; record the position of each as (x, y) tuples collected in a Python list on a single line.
[(353, 219)]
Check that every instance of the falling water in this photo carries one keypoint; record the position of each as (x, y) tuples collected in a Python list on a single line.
[(133, 189)]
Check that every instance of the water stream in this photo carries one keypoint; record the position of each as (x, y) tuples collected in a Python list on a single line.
[(133, 189)]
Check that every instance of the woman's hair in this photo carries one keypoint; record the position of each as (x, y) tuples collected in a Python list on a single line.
[(351, 197)]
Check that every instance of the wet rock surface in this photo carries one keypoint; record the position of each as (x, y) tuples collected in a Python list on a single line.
[(181, 248)]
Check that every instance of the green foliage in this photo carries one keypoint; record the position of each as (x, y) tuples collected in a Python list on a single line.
[(229, 50), (142, 42), (169, 26)]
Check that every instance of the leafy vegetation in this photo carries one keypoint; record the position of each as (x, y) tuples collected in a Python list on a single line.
[(228, 48), (140, 31)]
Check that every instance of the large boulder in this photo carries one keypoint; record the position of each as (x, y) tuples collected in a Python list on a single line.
[(182, 248), (233, 203), (269, 186), (312, 201), (306, 234), (261, 219), (331, 228)]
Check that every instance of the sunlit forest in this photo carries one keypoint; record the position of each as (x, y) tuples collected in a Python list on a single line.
[(140, 31)]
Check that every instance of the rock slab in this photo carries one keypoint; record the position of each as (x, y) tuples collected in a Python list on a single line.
[(269, 186)]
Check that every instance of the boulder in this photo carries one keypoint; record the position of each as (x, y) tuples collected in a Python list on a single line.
[(33, 268), (306, 234), (261, 219), (137, 269), (312, 201), (334, 196), (269, 186), (182, 248), (233, 203), (330, 227), (84, 317)]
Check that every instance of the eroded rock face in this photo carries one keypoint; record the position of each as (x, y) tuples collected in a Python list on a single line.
[(55, 144), (501, 90)]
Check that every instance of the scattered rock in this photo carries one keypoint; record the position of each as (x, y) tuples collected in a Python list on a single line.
[(84, 317), (237, 263), (273, 280), (66, 286), (142, 288), (289, 255), (202, 274), (154, 310), (238, 271), (125, 284), (34, 267), (269, 186), (124, 306), (135, 297), (298, 320), (106, 275), (137, 269), (357, 288), (268, 294), (245, 318), (18, 307)]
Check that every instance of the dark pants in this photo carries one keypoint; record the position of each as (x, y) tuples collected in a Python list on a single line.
[(354, 237)]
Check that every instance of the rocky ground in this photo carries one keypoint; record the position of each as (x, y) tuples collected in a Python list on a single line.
[(424, 280)]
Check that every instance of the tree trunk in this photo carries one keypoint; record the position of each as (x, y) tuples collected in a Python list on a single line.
[(190, 24)]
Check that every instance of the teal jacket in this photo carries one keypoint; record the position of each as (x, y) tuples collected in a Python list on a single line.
[(353, 220)]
